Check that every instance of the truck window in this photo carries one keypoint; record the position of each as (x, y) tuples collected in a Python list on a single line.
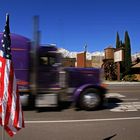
[(43, 61), (52, 60), (47, 61)]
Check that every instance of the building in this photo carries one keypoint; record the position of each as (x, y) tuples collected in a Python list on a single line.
[(81, 60), (88, 63), (109, 53), (109, 65), (68, 62), (97, 61), (135, 69)]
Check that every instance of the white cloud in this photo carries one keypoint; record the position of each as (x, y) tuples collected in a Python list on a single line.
[(69, 54)]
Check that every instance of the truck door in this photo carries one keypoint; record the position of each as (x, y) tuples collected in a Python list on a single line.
[(48, 73)]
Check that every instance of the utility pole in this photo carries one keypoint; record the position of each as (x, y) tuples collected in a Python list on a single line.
[(118, 71), (85, 53), (34, 59)]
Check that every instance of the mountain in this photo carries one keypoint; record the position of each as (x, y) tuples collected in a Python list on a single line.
[(135, 56), (69, 54)]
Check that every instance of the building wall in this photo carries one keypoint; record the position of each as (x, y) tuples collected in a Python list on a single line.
[(88, 63), (68, 62), (109, 53), (97, 61), (81, 60)]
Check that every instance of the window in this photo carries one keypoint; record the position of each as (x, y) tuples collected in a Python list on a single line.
[(47, 61)]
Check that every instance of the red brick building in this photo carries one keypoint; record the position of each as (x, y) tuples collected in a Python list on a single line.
[(82, 62)]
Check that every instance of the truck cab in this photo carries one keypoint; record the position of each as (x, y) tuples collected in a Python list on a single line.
[(55, 83), (49, 61), (45, 82)]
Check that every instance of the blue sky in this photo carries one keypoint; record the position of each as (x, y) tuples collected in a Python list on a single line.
[(73, 23)]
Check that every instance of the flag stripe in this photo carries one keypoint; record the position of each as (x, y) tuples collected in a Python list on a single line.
[(2, 76), (3, 64), (14, 98), (11, 131), (16, 120), (10, 90), (5, 93), (11, 108), (1, 84), (2, 88)]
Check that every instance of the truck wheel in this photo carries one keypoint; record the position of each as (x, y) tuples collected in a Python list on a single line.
[(90, 99), (31, 102)]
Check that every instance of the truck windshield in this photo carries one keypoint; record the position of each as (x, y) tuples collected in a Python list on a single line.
[(47, 61)]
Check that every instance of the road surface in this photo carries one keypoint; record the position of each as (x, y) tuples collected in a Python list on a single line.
[(119, 119)]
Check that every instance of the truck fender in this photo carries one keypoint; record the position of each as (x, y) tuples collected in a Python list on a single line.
[(80, 89)]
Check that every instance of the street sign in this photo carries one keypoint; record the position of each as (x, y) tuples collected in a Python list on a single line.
[(118, 56)]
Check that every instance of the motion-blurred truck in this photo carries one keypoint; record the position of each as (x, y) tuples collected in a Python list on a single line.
[(42, 79)]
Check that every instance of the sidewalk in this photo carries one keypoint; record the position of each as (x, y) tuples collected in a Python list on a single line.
[(121, 83)]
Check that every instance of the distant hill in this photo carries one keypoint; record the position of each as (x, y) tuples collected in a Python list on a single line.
[(69, 54), (134, 56)]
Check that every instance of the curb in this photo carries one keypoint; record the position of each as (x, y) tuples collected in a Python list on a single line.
[(121, 83)]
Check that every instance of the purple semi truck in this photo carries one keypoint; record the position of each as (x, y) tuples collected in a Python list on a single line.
[(46, 83)]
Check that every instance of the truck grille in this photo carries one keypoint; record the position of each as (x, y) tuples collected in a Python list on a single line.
[(62, 79)]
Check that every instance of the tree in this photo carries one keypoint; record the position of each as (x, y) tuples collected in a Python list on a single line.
[(127, 58), (137, 60), (117, 41), (110, 70)]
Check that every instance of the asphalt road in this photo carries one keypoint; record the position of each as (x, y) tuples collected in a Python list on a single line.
[(119, 119)]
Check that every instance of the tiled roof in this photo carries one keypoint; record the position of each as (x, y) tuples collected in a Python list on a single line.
[(136, 66)]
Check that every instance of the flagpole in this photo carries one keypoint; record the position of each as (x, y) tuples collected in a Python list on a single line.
[(3, 133)]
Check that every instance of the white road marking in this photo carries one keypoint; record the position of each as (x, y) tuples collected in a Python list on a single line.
[(131, 99), (86, 120), (127, 106), (114, 95)]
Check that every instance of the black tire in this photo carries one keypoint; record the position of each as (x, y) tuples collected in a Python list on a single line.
[(90, 99), (31, 102)]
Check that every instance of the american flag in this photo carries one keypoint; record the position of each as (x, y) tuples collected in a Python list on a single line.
[(11, 115)]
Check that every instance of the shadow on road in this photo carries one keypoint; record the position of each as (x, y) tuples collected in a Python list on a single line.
[(112, 103), (110, 137)]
